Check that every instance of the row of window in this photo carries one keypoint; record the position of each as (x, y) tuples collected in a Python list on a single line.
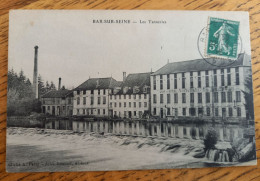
[(92, 100), (225, 97), (215, 79), (192, 112), (129, 96), (55, 100), (91, 111), (129, 114), (92, 92), (129, 104)]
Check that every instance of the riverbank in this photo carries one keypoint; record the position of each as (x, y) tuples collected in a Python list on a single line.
[(38, 150)]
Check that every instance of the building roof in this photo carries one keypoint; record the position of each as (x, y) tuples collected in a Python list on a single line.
[(98, 83), (138, 80), (58, 93), (201, 64)]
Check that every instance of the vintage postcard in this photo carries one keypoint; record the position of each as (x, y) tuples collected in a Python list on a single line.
[(120, 90)]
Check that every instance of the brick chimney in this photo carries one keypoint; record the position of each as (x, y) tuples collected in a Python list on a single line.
[(35, 72), (59, 83), (124, 76)]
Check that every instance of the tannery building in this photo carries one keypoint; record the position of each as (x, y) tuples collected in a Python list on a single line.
[(196, 88), (132, 100)]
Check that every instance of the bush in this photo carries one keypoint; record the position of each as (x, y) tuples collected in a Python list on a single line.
[(211, 139)]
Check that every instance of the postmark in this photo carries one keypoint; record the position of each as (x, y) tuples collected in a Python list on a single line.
[(222, 38), (206, 43)]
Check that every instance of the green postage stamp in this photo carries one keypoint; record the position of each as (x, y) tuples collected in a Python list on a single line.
[(222, 38)]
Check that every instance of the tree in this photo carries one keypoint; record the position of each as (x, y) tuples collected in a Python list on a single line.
[(248, 95), (52, 86)]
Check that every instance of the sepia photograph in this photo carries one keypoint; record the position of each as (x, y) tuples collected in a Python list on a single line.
[(128, 90)]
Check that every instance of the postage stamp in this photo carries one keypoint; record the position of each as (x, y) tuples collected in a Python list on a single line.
[(222, 39)]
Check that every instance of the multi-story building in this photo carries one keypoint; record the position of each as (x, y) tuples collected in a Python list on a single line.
[(91, 97), (196, 88), (58, 102), (132, 100)]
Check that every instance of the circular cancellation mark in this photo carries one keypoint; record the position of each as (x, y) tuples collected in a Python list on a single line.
[(215, 61)]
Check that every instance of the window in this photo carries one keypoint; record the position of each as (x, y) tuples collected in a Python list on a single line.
[(119, 96), (104, 111), (124, 104), (199, 97), (168, 111), (175, 81), (84, 92), (134, 104), (140, 96), (199, 80), (222, 78), (104, 100), (183, 97), (154, 111), (110, 104), (134, 96), (140, 104), (223, 97), (183, 80), (115, 97), (161, 98), (230, 111), (77, 111), (168, 81), (207, 78), (129, 104), (154, 99), (99, 100), (134, 113), (69, 100), (184, 111), (98, 91), (92, 92), (216, 97), (216, 112), (208, 111), (98, 111), (129, 96), (237, 76), (84, 100), (104, 91), (110, 97), (176, 98), (124, 96), (92, 100), (120, 104), (48, 108), (238, 111), (207, 97), (191, 97), (115, 104), (168, 98), (154, 82), (78, 100), (229, 96), (215, 78), (228, 77), (238, 96), (161, 82), (78, 92), (145, 104), (145, 96), (191, 79)]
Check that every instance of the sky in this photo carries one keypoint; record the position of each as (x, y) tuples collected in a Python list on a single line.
[(74, 48)]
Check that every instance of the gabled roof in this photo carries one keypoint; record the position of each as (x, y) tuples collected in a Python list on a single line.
[(135, 80), (201, 64), (58, 93), (98, 83)]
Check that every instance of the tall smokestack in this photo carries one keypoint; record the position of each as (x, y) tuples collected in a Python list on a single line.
[(124, 76), (59, 83), (35, 72)]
